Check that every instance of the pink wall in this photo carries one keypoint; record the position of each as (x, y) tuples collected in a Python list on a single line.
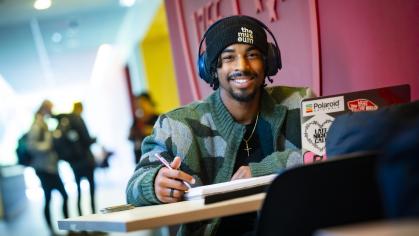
[(292, 29), (329, 45), (369, 43)]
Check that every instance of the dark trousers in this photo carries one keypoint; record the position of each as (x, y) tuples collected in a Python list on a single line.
[(49, 182), (88, 173)]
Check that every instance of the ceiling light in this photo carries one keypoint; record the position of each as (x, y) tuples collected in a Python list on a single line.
[(127, 3), (56, 37), (42, 4)]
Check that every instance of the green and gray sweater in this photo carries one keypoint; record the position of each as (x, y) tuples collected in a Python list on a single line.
[(207, 138)]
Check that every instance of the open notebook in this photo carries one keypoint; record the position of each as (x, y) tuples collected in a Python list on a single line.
[(231, 189)]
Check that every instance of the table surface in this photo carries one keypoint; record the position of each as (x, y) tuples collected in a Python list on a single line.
[(149, 217), (407, 227)]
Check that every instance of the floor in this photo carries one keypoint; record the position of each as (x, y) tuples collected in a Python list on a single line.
[(30, 221)]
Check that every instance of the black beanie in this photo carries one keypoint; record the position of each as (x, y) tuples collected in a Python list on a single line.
[(230, 30)]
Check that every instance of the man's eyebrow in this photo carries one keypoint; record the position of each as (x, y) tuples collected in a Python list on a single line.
[(228, 50), (252, 48)]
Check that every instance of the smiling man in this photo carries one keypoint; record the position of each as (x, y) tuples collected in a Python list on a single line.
[(239, 131)]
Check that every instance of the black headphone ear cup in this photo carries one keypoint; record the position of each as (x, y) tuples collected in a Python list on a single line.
[(273, 60), (204, 71)]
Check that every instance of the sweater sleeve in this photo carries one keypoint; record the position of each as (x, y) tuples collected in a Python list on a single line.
[(275, 162), (140, 188)]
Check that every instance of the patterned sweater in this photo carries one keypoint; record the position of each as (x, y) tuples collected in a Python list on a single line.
[(207, 138)]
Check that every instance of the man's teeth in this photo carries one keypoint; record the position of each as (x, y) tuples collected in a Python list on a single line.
[(240, 81)]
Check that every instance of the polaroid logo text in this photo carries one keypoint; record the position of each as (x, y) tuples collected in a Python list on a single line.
[(326, 105), (323, 105)]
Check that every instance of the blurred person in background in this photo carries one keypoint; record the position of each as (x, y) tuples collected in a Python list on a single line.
[(144, 119), (72, 142), (45, 160)]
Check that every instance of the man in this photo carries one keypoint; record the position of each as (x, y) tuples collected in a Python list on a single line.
[(144, 119), (72, 143), (239, 131)]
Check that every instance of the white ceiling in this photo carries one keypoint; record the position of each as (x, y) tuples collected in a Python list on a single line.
[(57, 46)]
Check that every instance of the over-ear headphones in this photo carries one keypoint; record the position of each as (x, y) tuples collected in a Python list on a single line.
[(273, 61)]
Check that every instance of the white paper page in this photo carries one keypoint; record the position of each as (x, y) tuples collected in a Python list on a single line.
[(211, 189)]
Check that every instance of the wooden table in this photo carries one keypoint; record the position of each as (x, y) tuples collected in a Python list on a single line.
[(409, 227), (155, 216)]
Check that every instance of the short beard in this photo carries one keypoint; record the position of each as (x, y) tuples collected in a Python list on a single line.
[(242, 97)]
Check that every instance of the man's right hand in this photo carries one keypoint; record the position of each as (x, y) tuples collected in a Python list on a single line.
[(168, 184)]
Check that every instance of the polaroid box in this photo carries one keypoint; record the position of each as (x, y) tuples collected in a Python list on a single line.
[(317, 114)]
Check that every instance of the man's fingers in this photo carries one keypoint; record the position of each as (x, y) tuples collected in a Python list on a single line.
[(169, 200), (175, 184), (175, 193), (178, 174), (176, 163), (169, 194), (235, 176), (242, 173), (168, 179)]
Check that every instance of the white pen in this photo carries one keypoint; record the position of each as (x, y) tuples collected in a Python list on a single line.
[(165, 163)]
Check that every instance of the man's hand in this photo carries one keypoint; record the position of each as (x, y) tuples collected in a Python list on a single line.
[(168, 184), (242, 173)]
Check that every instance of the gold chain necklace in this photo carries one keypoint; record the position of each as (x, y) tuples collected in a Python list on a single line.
[(250, 136)]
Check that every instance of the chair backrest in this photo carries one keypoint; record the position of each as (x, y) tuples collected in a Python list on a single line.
[(303, 199), (290, 96)]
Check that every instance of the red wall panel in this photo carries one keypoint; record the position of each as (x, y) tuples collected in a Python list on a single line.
[(369, 43), (362, 44), (289, 20)]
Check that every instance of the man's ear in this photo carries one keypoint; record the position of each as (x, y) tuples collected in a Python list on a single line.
[(215, 81), (215, 75)]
